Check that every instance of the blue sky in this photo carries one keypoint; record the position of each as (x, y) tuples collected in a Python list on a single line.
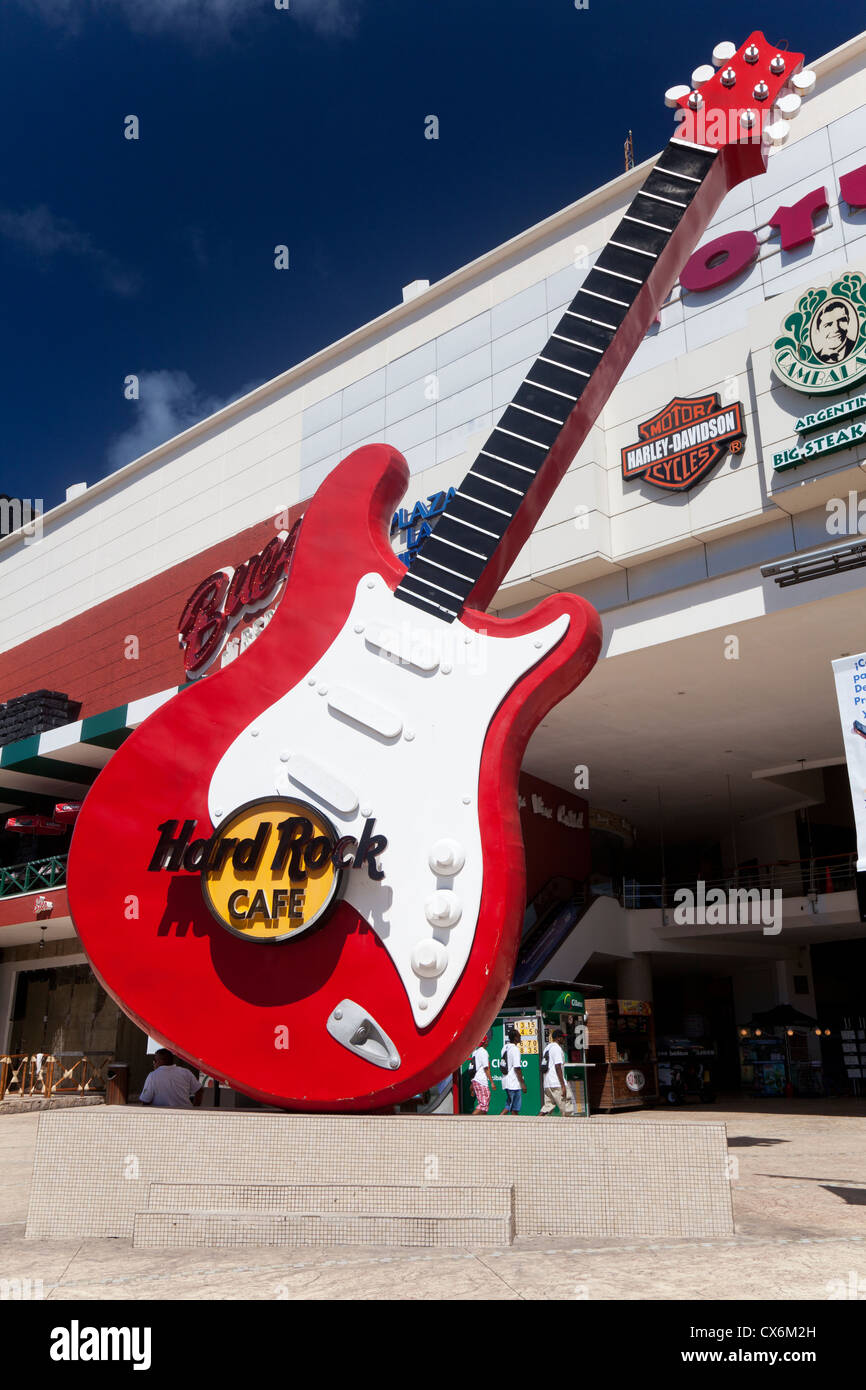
[(302, 127)]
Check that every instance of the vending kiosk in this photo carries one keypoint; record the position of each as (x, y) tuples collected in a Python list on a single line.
[(536, 1010)]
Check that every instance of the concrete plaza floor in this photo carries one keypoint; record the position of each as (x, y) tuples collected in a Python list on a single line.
[(799, 1194)]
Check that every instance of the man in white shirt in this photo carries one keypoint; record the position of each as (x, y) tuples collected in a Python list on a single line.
[(513, 1082), (481, 1079), (556, 1093), (169, 1086)]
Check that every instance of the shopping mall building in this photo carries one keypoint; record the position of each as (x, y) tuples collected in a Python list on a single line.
[(705, 751)]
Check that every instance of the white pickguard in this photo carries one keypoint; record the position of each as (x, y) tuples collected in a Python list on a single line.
[(391, 723)]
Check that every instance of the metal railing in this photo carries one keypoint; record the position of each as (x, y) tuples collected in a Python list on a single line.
[(793, 878), (47, 1074), (36, 873)]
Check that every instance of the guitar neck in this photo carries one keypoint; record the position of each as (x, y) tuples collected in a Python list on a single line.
[(508, 486)]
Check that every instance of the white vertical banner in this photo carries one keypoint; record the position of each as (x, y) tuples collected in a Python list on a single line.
[(850, 674)]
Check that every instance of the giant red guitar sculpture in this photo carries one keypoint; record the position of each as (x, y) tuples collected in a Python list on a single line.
[(305, 873)]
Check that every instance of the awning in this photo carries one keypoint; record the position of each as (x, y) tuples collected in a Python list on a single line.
[(60, 764)]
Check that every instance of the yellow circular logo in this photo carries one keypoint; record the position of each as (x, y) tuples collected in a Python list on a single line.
[(274, 869)]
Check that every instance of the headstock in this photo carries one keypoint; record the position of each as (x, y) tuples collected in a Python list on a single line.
[(743, 105)]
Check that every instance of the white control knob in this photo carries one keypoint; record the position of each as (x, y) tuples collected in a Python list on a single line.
[(723, 53), (429, 959), (789, 105), (803, 82), (443, 909), (447, 857), (673, 94)]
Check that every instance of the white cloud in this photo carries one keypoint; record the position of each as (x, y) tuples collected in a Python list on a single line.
[(198, 19), (48, 236), (168, 403)]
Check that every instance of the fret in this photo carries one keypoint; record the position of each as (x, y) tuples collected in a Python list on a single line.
[(596, 330), (603, 303), (651, 237), (451, 532), (539, 413), (491, 494), (452, 545), (575, 342), (690, 178), (627, 217), (625, 264), (439, 588), (639, 250), (545, 401), (495, 481), (678, 143), (657, 198), (573, 355), (578, 371), (657, 212), (410, 595), (481, 518), (565, 401), (456, 574), (472, 526), (481, 503), (548, 374), (662, 185), (486, 454), (541, 431), (688, 159), (521, 438)]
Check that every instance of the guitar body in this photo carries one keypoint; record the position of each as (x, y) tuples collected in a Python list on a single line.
[(365, 710)]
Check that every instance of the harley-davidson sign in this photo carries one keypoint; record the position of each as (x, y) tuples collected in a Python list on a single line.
[(682, 442)]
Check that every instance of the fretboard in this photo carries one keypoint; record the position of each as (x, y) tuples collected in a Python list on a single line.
[(508, 486)]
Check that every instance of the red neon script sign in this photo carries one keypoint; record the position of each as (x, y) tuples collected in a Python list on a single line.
[(225, 598)]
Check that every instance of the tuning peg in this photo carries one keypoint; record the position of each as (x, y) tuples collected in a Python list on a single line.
[(748, 119), (723, 53), (702, 75), (777, 133), (674, 95), (788, 105), (761, 91), (777, 65), (752, 53), (728, 76), (803, 82)]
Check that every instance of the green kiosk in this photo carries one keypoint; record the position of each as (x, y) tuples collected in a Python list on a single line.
[(536, 1010)]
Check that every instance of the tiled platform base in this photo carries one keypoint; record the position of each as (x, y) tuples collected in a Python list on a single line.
[(94, 1171), (324, 1214)]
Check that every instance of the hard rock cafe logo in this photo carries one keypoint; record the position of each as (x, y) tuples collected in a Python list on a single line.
[(823, 347), (273, 869), (679, 445)]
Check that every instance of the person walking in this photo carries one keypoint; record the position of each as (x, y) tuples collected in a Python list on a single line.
[(512, 1071), (481, 1079), (556, 1093)]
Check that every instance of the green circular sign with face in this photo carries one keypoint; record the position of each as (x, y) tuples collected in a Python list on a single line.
[(823, 348)]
